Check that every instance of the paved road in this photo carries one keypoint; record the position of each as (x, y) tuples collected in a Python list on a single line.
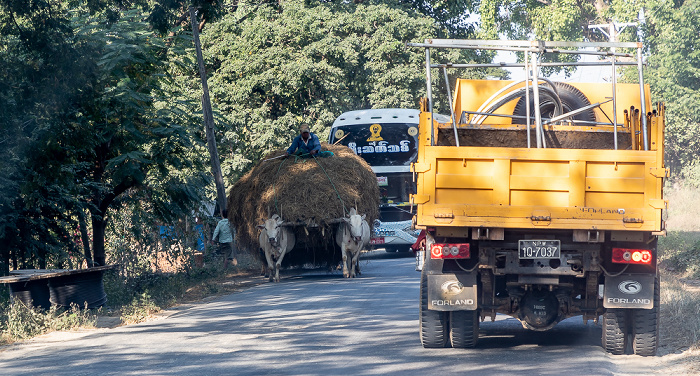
[(316, 324)]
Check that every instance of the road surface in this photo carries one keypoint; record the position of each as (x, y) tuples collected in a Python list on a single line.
[(317, 324)]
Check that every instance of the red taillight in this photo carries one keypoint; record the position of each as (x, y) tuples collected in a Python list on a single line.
[(449, 251), (631, 256)]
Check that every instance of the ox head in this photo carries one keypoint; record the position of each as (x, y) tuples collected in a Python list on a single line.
[(272, 228), (354, 222)]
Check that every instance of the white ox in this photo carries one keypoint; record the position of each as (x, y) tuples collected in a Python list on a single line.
[(275, 242), (352, 236)]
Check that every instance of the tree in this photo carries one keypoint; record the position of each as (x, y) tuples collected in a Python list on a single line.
[(674, 75), (452, 18), (99, 124), (34, 46), (273, 67)]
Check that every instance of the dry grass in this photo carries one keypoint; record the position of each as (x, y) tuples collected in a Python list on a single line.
[(680, 313), (679, 261), (683, 212)]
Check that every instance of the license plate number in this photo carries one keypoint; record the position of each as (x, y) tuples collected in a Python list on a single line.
[(376, 241), (539, 249)]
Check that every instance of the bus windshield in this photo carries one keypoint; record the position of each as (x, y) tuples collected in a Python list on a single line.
[(381, 145)]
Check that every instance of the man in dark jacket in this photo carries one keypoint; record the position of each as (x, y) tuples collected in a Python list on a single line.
[(305, 143)]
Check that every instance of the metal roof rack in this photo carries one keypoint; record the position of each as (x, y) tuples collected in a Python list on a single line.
[(532, 50)]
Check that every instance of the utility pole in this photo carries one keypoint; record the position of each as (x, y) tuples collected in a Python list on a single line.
[(208, 118), (613, 29)]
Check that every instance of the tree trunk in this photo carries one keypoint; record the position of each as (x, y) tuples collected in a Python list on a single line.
[(85, 238), (208, 118), (5, 262), (99, 225)]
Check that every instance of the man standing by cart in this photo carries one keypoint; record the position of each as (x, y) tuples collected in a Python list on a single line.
[(224, 236)]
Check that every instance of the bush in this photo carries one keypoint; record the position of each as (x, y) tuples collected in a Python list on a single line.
[(679, 252), (24, 322), (140, 308), (21, 321)]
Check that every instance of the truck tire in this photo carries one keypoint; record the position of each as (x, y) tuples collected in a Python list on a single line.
[(571, 99), (433, 324), (645, 326), (615, 330), (464, 329)]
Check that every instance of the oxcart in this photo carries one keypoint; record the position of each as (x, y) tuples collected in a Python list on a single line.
[(311, 196)]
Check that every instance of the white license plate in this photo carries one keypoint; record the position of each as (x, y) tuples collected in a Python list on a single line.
[(539, 249)]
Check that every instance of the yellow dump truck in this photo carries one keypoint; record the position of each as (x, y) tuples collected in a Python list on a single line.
[(541, 200)]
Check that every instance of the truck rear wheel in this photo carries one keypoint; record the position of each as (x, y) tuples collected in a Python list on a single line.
[(645, 335), (464, 329), (615, 331), (433, 324)]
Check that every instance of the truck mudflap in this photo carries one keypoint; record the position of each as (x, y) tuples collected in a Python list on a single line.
[(452, 292), (629, 291)]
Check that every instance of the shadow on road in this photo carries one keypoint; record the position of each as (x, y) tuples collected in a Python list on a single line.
[(381, 254)]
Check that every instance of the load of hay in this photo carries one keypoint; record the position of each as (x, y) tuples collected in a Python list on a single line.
[(310, 194)]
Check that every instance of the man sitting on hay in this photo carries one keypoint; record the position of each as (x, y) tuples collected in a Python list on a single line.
[(306, 144)]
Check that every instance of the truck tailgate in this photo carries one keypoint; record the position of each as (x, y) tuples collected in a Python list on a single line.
[(530, 188)]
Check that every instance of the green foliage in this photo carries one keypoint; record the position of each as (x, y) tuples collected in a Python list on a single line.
[(139, 309), (451, 16), (273, 67), (24, 322), (691, 174), (97, 124), (680, 252), (674, 76), (19, 321), (555, 20), (35, 45)]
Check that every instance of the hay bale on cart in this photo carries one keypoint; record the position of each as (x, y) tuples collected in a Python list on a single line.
[(310, 194)]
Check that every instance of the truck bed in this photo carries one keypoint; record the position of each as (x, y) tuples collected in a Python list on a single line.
[(510, 187)]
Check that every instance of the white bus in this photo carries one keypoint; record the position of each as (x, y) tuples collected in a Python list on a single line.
[(388, 140)]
